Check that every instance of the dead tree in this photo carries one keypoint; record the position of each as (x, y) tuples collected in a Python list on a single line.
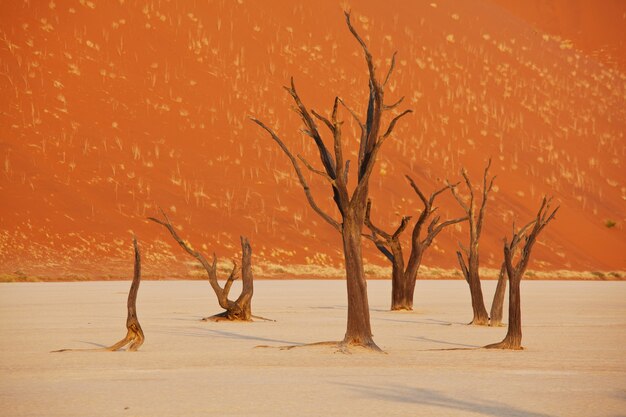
[(470, 266), (351, 206), (238, 310), (495, 316), (403, 277), (134, 334), (515, 272)]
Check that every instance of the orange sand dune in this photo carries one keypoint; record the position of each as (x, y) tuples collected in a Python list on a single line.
[(112, 109)]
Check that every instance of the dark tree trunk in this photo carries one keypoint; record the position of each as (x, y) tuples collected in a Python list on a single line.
[(242, 309), (410, 277), (481, 318), (498, 299), (401, 287), (513, 338), (358, 330)]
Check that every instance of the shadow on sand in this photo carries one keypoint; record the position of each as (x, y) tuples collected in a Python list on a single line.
[(427, 397), (203, 332)]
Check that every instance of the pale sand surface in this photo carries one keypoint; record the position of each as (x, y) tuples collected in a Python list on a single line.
[(574, 364)]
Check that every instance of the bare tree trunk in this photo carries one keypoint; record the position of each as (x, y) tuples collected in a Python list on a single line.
[(244, 301), (513, 338), (399, 297), (481, 318), (401, 290), (498, 299), (410, 277), (134, 334), (358, 331)]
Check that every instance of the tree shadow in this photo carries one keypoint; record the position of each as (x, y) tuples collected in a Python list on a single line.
[(443, 342), (93, 344), (426, 397), (420, 321), (335, 307), (203, 332)]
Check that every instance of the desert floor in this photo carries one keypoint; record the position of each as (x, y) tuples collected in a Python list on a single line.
[(574, 363)]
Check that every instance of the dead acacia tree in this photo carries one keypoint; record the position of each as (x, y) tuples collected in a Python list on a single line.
[(351, 206), (238, 310), (495, 316), (134, 334), (470, 266), (403, 277), (515, 272)]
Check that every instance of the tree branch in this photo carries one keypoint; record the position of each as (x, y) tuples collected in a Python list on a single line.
[(371, 226), (391, 67), (392, 125), (303, 183), (317, 171)]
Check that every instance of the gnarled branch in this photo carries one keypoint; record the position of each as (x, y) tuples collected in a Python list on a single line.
[(303, 182)]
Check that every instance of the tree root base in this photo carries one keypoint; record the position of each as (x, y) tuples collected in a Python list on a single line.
[(503, 346), (225, 316), (401, 309), (133, 339)]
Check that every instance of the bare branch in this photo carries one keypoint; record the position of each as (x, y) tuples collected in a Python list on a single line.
[(346, 170), (303, 183), (327, 122), (234, 275), (464, 249), (392, 125), (457, 197), (316, 171), (463, 266), (418, 191), (435, 230), (394, 105), (403, 224), (211, 269), (538, 224), (354, 116), (391, 67), (441, 190), (371, 226), (486, 189), (368, 55), (312, 131)]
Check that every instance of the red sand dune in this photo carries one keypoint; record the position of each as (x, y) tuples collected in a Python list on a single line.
[(111, 109)]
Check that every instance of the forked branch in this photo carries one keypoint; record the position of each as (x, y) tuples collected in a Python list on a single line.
[(303, 182), (239, 309)]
